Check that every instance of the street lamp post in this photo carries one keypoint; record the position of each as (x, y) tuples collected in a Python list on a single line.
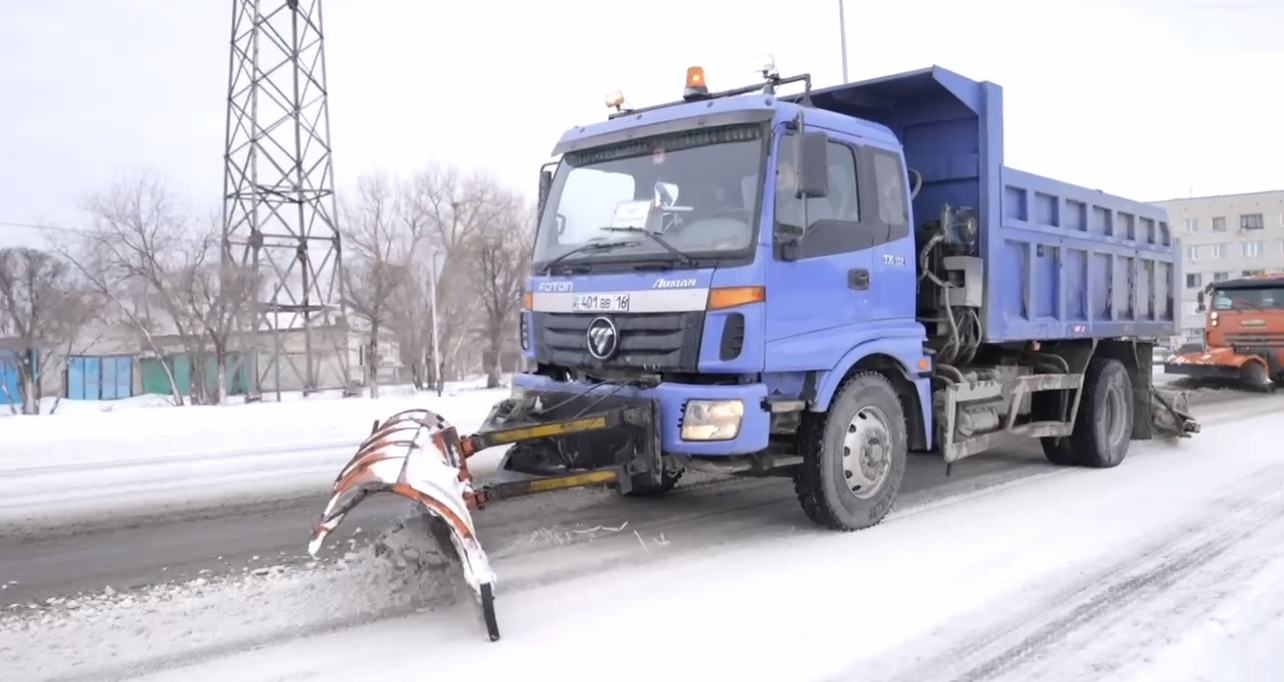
[(842, 35)]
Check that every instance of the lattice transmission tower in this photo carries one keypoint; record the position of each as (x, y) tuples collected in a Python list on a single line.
[(279, 210)]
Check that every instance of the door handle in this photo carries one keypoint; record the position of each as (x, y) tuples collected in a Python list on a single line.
[(858, 279)]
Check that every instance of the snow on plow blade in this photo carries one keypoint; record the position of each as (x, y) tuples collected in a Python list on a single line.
[(416, 454)]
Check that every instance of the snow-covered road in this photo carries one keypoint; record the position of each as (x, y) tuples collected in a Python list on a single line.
[(1166, 565)]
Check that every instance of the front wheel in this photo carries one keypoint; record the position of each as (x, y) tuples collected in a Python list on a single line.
[(642, 487), (853, 458)]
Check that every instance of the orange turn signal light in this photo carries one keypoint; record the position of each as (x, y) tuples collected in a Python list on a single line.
[(731, 297)]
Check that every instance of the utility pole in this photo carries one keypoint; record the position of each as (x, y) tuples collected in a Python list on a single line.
[(438, 365), (842, 36), (279, 212)]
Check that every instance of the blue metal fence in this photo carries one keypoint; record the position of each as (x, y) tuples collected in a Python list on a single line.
[(10, 387), (108, 377)]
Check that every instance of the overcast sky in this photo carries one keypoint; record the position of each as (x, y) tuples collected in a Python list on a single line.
[(1150, 99)]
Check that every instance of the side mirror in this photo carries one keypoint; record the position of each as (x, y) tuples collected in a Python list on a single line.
[(813, 166), (1199, 302), (545, 186)]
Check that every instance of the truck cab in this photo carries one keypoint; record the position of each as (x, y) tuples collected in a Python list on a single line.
[(1243, 333), (660, 233)]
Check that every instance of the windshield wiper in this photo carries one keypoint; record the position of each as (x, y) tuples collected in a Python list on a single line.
[(591, 246), (682, 257)]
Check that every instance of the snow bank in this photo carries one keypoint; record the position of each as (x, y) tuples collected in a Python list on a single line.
[(60, 468), (829, 603), (88, 436)]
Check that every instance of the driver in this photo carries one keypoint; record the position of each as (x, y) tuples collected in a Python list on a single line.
[(789, 207)]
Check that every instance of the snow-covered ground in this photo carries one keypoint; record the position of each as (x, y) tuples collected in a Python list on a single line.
[(139, 455), (1165, 569)]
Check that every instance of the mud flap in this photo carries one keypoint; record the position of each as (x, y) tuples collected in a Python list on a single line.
[(416, 454), (1170, 414)]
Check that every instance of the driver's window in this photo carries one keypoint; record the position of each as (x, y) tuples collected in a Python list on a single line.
[(842, 203), (589, 200)]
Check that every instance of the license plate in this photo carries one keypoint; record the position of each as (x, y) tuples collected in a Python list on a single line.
[(600, 303)]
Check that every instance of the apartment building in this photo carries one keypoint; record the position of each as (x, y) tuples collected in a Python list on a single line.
[(1224, 237)]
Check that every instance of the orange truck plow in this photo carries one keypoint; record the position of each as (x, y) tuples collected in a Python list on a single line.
[(1243, 335)]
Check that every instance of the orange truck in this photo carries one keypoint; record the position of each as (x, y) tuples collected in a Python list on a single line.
[(1243, 334)]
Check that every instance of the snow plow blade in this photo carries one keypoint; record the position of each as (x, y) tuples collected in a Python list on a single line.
[(416, 454), (1170, 414), (1224, 367)]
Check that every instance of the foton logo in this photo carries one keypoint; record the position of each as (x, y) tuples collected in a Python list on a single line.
[(555, 286), (674, 283)]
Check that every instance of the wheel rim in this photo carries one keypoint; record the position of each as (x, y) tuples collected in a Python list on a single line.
[(1115, 411), (867, 452)]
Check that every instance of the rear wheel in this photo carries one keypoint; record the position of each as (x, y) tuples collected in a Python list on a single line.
[(1103, 427), (854, 457)]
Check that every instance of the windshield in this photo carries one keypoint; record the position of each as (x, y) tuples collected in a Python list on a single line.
[(1248, 299), (696, 190)]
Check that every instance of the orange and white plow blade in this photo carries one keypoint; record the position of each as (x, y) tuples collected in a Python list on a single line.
[(416, 454)]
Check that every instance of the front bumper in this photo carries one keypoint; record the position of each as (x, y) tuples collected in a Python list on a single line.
[(671, 400), (1200, 371)]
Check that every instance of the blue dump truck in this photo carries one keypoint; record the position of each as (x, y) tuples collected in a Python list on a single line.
[(812, 285), (808, 285)]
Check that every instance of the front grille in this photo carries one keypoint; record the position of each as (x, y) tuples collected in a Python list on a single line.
[(663, 342), (1255, 338)]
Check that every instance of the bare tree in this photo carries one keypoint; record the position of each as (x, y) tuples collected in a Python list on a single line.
[(452, 207), (211, 295), (380, 240), (164, 276), (501, 252), (42, 311)]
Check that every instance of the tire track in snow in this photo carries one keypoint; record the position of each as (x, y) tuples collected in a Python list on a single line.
[(1074, 628)]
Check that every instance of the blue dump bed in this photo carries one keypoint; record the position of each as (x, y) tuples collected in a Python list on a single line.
[(1061, 261)]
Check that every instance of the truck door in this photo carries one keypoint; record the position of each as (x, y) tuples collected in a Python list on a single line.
[(821, 296)]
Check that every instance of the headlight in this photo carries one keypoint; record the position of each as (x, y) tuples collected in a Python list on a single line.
[(712, 419)]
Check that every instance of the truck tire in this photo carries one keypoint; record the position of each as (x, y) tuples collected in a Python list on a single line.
[(854, 457), (1103, 427), (644, 488)]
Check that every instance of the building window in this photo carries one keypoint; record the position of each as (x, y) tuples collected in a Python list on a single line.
[(1251, 221), (1192, 253), (1252, 273), (1219, 224), (1192, 225), (1194, 280), (1221, 276), (1251, 249), (1219, 251)]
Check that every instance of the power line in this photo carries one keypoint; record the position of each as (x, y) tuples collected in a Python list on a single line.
[(43, 228), (83, 232)]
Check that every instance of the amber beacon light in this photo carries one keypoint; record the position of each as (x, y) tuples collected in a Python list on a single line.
[(696, 85)]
